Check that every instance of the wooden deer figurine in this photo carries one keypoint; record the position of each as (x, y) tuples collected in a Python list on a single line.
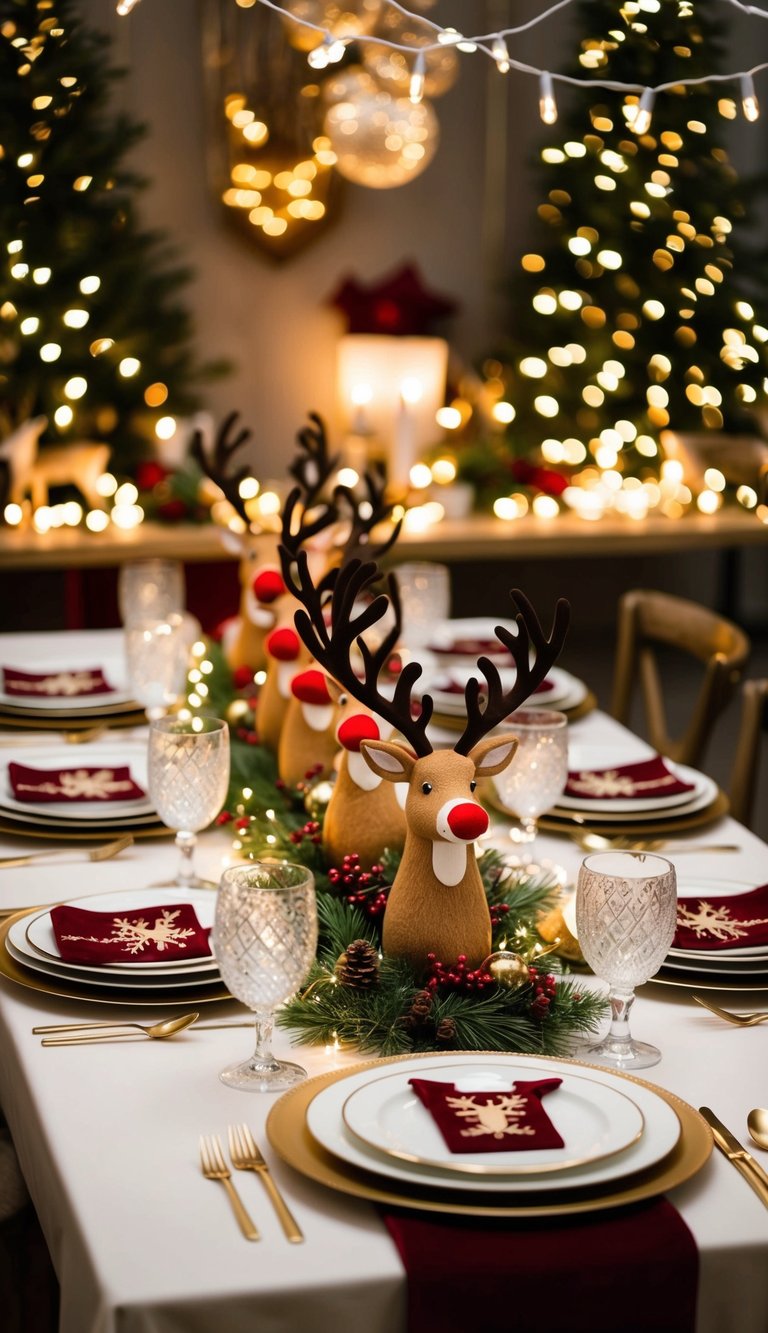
[(437, 903)]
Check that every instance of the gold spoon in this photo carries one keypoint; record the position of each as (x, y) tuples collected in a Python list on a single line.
[(757, 1124), (597, 842), (167, 1028), (103, 853)]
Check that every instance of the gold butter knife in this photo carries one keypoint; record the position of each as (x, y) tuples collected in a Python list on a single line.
[(737, 1154)]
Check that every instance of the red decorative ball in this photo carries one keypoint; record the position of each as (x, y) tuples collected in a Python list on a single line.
[(359, 727), (268, 585), (310, 687), (242, 676), (283, 644)]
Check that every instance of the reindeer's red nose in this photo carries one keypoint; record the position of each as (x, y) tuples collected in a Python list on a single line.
[(467, 821), (359, 727), (284, 645), (268, 585)]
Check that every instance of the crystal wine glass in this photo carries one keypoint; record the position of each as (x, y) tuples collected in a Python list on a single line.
[(188, 780), (425, 599), (532, 782), (264, 938), (157, 658), (626, 912), (150, 590)]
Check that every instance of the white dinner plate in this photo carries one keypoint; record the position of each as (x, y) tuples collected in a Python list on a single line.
[(445, 636), (35, 939), (593, 1120), (706, 794), (567, 691), (585, 758), (109, 658), (132, 754), (662, 1129), (181, 981)]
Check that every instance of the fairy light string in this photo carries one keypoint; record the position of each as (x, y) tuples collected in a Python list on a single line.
[(495, 45)]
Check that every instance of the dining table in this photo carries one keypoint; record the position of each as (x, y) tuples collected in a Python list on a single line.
[(107, 1135)]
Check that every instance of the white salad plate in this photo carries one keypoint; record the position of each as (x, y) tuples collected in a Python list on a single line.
[(659, 1136), (593, 1120), (566, 692)]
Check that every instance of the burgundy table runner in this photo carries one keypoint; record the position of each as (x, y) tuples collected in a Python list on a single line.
[(634, 1270)]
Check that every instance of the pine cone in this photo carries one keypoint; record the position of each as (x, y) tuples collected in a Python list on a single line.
[(358, 966), (446, 1031)]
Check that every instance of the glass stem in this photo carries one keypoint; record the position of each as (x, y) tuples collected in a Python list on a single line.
[(186, 845), (621, 1002), (263, 1023)]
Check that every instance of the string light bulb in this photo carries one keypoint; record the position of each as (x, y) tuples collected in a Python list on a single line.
[(500, 55), (749, 102), (642, 119), (418, 78), (547, 103)]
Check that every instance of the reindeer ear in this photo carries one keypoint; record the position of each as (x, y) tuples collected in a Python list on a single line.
[(334, 689), (492, 754), (388, 760)]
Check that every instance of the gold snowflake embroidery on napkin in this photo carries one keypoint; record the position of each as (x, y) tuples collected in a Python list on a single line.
[(613, 783), (96, 786), (498, 1118), (715, 921), (136, 934), (64, 682)]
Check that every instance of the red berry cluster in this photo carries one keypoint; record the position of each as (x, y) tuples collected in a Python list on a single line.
[(310, 832), (248, 735), (457, 976), (223, 818), (243, 823), (242, 677), (498, 912), (369, 888), (544, 991)]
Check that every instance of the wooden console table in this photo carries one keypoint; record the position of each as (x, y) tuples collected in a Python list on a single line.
[(475, 538)]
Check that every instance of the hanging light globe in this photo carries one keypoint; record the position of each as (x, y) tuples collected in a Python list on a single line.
[(393, 68), (355, 18), (382, 141)]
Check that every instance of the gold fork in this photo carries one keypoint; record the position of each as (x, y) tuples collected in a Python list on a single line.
[(738, 1020), (103, 853), (247, 1157), (215, 1168)]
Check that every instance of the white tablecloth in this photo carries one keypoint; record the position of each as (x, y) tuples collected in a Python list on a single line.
[(108, 1141)]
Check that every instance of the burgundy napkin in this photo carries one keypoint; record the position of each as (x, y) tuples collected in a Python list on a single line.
[(491, 1121), (141, 935), (634, 1270), (650, 777), (73, 784), (723, 923), (55, 684), (470, 647)]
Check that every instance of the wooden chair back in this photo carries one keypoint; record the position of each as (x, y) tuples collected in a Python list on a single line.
[(746, 759), (649, 620)]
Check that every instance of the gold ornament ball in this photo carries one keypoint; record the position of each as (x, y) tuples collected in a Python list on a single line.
[(237, 711), (317, 798), (508, 970)]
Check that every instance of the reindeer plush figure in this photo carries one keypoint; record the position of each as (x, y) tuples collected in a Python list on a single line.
[(307, 736), (437, 903), (364, 814)]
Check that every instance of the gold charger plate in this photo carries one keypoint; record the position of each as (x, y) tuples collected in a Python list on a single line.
[(636, 828), (32, 721), (49, 985), (452, 722), (106, 834), (289, 1136), (704, 982)]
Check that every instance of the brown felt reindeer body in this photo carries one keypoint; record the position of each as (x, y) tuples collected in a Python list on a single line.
[(437, 903)]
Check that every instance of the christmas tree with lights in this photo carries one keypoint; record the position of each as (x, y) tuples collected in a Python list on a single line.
[(631, 315), (92, 335)]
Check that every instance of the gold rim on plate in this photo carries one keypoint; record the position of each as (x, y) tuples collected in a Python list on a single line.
[(109, 831), (638, 828), (704, 982), (289, 1136), (47, 984)]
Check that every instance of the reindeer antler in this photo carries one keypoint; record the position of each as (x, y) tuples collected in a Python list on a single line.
[(331, 645), (500, 703), (368, 514), (216, 464), (313, 468)]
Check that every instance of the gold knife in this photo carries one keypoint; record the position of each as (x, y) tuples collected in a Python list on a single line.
[(737, 1154)]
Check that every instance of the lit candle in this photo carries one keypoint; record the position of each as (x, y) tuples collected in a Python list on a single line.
[(405, 431)]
